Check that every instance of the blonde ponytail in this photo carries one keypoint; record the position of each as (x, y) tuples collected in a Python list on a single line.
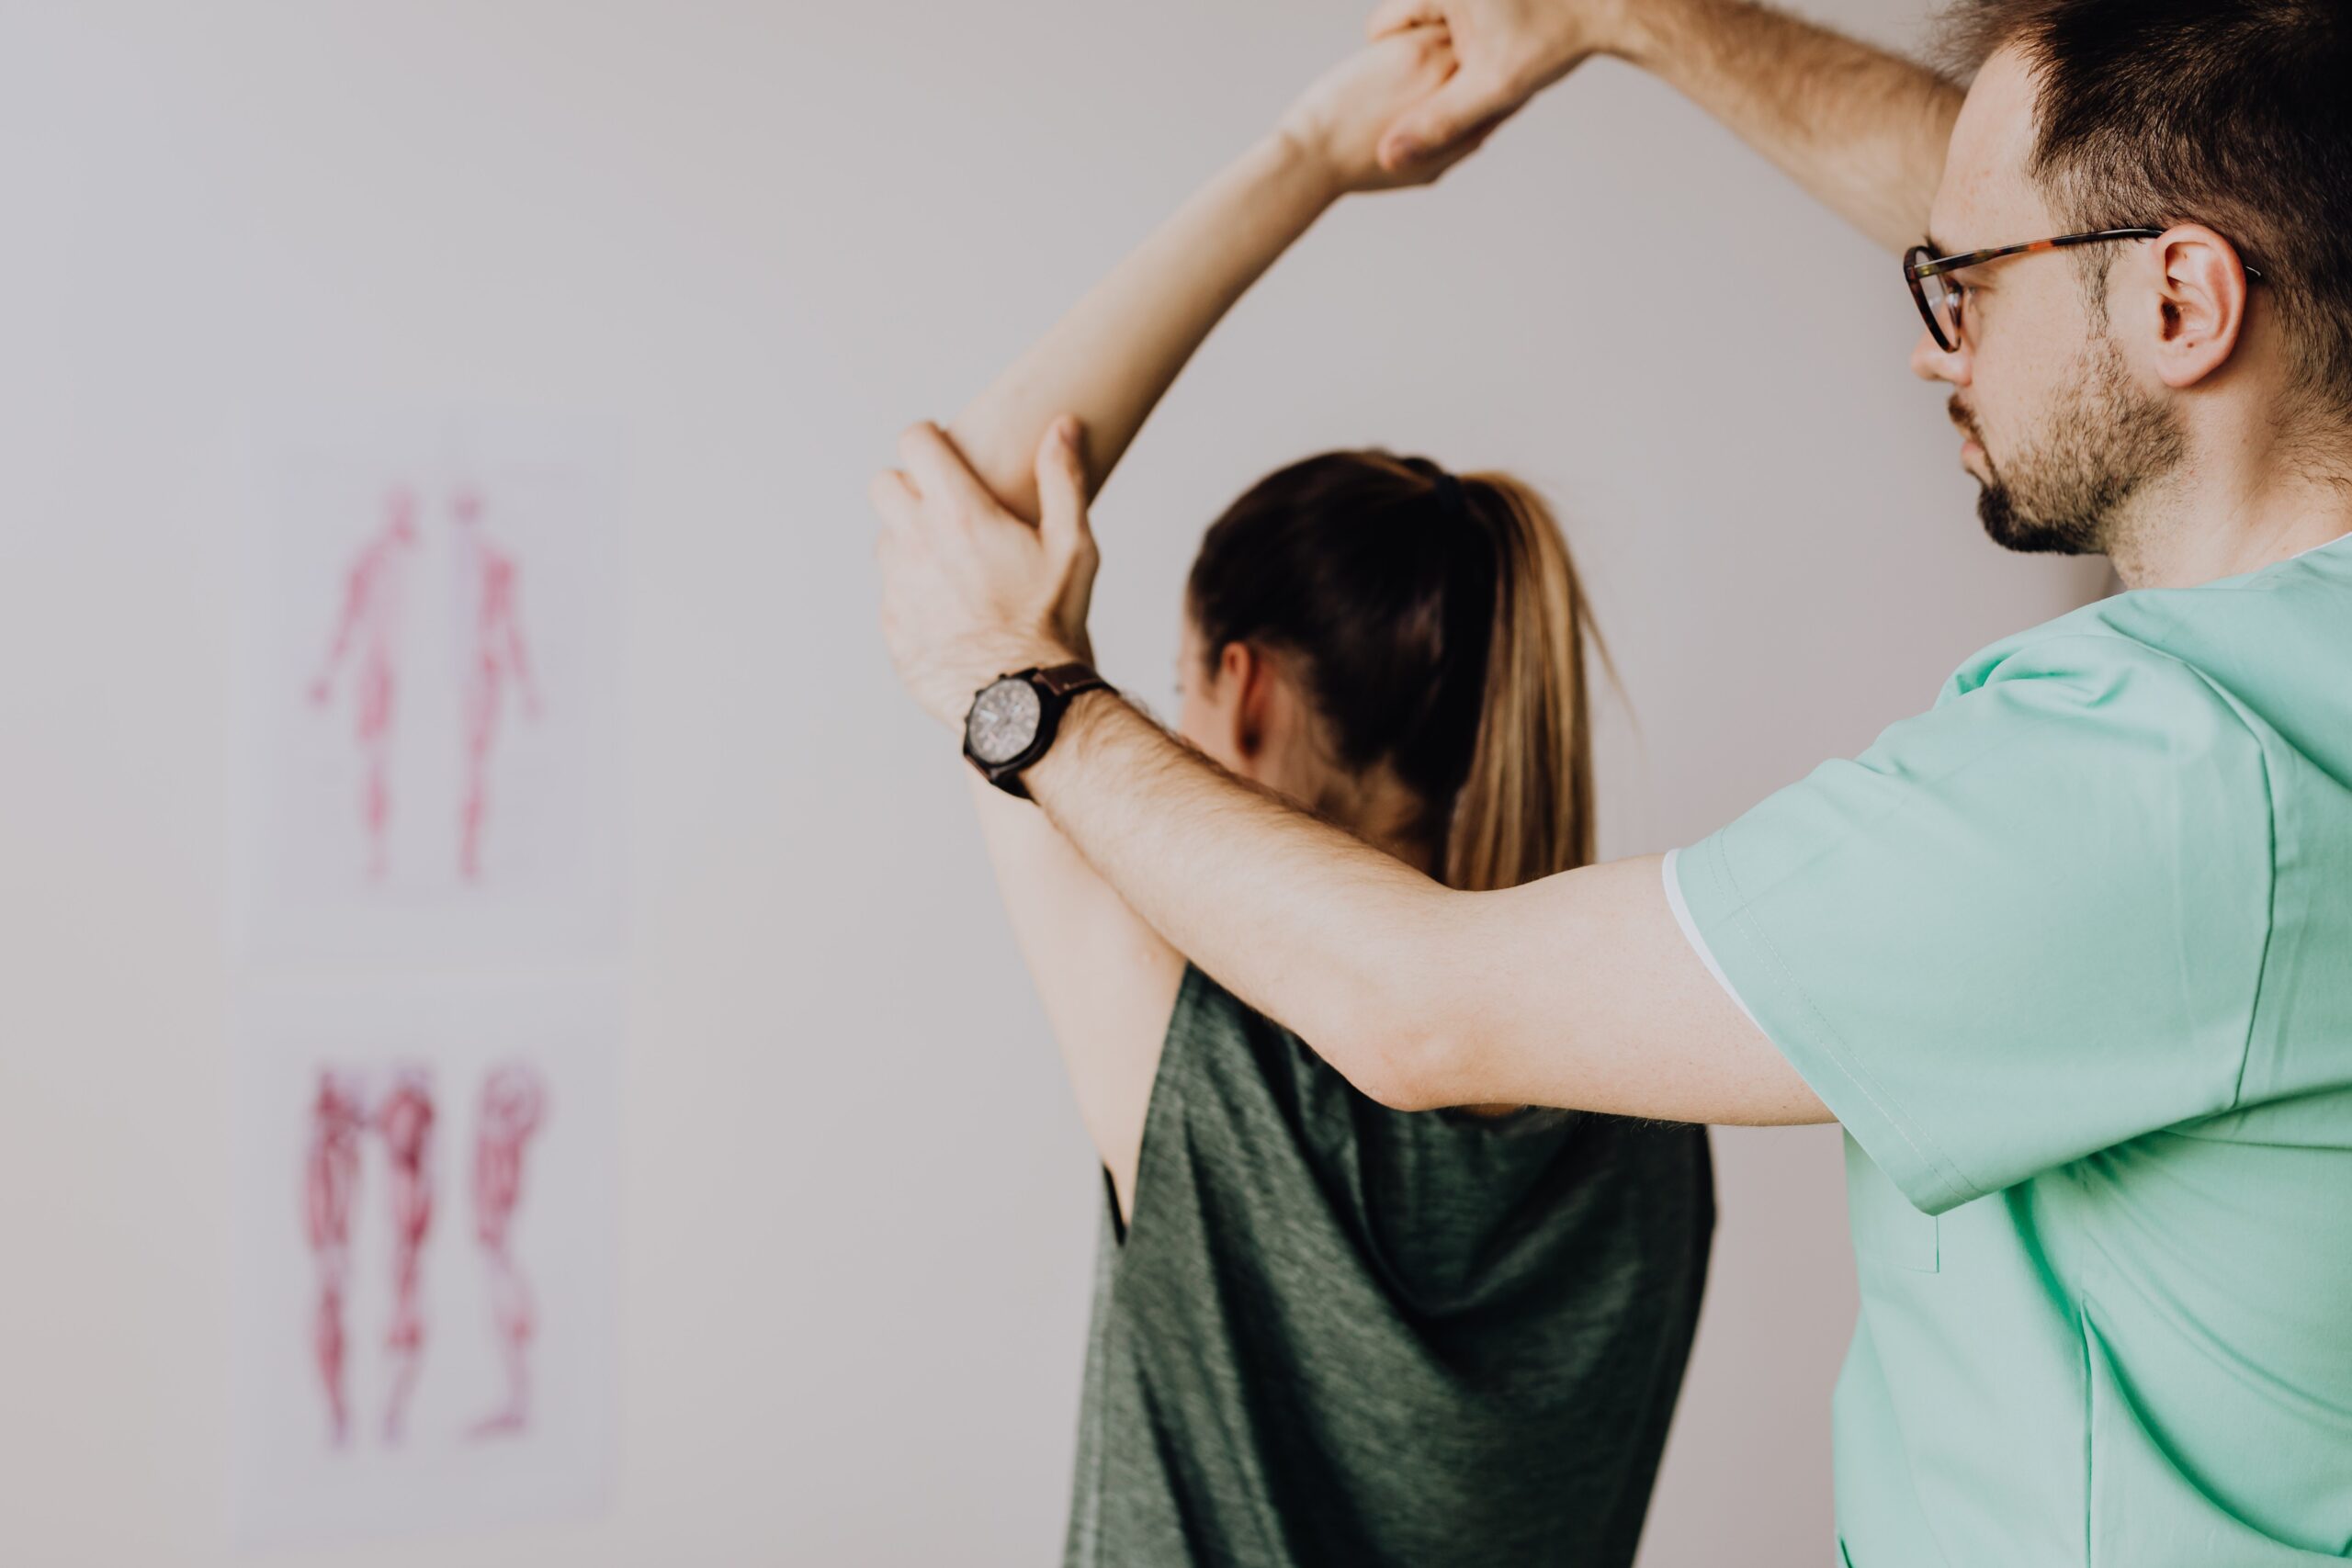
[(1525, 808)]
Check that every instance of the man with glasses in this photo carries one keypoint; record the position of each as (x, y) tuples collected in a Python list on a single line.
[(2070, 955)]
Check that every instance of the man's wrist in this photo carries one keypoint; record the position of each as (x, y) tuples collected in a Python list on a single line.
[(1643, 32), (1010, 657), (1081, 719)]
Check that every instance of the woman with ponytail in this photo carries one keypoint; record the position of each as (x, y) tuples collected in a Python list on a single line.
[(1326, 1331)]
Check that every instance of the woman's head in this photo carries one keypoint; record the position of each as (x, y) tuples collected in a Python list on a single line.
[(1402, 651)]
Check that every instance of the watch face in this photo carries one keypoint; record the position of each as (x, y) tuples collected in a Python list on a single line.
[(1003, 722)]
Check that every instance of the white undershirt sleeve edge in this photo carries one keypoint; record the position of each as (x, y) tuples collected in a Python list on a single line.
[(1691, 934)]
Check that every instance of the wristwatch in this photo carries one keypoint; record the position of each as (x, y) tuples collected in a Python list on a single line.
[(1012, 720)]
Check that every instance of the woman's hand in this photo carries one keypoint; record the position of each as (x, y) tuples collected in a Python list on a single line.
[(1339, 121), (969, 591)]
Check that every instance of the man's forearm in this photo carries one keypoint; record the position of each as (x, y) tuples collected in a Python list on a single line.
[(1862, 128), (1301, 920), (1577, 991)]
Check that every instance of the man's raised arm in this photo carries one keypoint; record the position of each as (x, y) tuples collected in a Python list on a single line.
[(1862, 128), (1579, 990)]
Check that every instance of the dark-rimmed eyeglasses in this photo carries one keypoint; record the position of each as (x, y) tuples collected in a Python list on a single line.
[(1939, 298)]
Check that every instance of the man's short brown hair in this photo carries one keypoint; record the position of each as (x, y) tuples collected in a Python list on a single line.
[(2236, 114)]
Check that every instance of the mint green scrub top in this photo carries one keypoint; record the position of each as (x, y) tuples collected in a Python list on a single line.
[(2070, 956)]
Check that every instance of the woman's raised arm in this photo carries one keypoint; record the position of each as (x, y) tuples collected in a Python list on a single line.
[(1107, 980), (1114, 354)]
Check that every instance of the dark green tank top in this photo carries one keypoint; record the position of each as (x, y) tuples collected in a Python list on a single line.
[(1336, 1333)]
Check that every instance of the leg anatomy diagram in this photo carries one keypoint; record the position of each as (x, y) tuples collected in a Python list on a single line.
[(512, 1105), (514, 1099), (331, 1174), (405, 1120)]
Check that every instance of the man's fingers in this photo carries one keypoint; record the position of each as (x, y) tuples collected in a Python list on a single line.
[(1062, 484), (939, 470), (1396, 16), (1431, 128)]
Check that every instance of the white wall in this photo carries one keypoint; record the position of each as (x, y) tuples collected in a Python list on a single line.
[(758, 237)]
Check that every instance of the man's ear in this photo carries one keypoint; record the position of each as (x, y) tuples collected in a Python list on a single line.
[(2201, 297)]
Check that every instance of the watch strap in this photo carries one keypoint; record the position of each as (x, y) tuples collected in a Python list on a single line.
[(1066, 681)]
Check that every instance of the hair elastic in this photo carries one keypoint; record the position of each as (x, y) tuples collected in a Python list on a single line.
[(1449, 494)]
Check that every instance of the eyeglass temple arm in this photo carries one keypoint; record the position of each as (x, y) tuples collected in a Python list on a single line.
[(1938, 266)]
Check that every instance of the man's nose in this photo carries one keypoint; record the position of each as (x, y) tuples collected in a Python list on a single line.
[(1931, 361)]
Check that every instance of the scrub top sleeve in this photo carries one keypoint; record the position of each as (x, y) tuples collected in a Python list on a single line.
[(2020, 928)]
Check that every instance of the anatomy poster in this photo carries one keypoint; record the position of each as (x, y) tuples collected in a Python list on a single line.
[(429, 694), (426, 1265)]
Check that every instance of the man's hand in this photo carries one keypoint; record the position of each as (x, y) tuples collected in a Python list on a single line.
[(1340, 120), (969, 591), (1863, 129), (1506, 50)]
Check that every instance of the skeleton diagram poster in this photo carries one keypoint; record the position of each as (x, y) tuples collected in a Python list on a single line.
[(430, 694), (425, 1256), (429, 913)]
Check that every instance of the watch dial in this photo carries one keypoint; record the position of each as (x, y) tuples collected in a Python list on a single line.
[(1003, 722)]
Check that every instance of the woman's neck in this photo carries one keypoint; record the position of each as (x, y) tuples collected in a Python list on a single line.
[(1379, 808)]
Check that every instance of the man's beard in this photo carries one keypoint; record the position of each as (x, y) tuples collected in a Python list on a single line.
[(2104, 441)]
